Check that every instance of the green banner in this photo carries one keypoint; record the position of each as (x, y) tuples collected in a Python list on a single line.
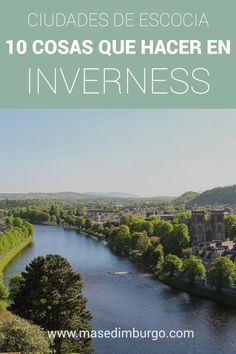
[(90, 54)]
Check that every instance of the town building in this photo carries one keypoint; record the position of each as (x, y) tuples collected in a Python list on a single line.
[(208, 251), (162, 216), (102, 216), (207, 227)]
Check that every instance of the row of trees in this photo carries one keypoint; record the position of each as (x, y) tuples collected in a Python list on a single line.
[(221, 274), (73, 215), (145, 235), (83, 204), (18, 231), (53, 215), (152, 240), (163, 246)]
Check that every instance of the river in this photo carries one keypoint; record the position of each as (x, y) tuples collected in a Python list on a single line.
[(134, 299)]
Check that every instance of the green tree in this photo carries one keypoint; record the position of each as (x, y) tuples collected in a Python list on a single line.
[(29, 227), (193, 269), (4, 293), (183, 217), (70, 220), (80, 223), (121, 239), (130, 220), (98, 228), (11, 237), (15, 284), (147, 226), (141, 241), (154, 219), (187, 252), (17, 334), (154, 255), (9, 220), (172, 264), (163, 230), (177, 240), (88, 224), (158, 254), (17, 222), (50, 295), (221, 273), (230, 227)]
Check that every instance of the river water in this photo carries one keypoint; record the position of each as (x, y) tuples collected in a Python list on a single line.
[(134, 299)]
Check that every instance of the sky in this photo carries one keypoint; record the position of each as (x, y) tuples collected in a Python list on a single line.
[(145, 152)]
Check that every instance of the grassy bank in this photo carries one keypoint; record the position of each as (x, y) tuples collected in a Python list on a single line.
[(7, 256)]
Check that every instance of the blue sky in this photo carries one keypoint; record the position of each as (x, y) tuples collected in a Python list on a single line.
[(147, 152)]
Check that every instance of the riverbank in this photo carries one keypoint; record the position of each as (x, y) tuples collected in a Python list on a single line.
[(194, 289), (197, 290), (7, 256), (222, 297), (115, 300)]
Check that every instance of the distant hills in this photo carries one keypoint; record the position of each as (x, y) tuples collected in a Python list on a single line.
[(111, 195), (74, 196), (163, 198), (186, 198), (71, 196), (220, 195), (59, 195), (67, 196)]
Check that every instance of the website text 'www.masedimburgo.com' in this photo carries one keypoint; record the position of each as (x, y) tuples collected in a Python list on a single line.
[(119, 333)]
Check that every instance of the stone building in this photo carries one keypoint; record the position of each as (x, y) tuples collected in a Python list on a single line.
[(206, 227), (208, 251)]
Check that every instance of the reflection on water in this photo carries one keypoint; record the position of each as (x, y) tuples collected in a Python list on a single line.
[(134, 299)]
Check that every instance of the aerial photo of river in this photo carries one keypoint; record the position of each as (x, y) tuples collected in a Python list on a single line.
[(133, 298)]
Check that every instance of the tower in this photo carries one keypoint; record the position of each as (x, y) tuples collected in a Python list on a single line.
[(198, 226), (207, 227), (218, 224)]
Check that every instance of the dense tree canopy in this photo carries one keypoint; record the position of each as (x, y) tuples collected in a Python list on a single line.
[(17, 334), (154, 255), (163, 229), (193, 269), (230, 227), (34, 215), (49, 293), (98, 228), (137, 224), (222, 273), (4, 293), (120, 239), (177, 240), (183, 217), (142, 242), (148, 239), (172, 264), (11, 237)]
